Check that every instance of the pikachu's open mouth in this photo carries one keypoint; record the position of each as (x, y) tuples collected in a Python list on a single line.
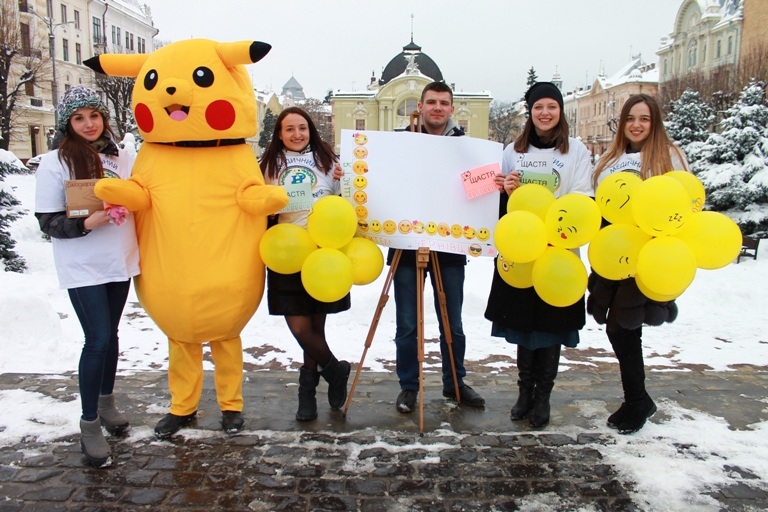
[(177, 112)]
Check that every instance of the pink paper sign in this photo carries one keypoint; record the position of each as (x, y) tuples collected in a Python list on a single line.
[(480, 180)]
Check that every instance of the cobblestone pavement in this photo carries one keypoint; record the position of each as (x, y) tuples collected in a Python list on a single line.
[(373, 459)]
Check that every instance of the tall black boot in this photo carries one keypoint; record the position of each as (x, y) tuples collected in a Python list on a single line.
[(308, 381), (545, 363), (336, 373), (525, 384), (638, 405)]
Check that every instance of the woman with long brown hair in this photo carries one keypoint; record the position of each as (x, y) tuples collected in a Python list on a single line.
[(296, 153), (519, 315), (95, 256), (641, 147)]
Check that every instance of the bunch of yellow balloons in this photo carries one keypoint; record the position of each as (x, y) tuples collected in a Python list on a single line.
[(327, 253), (659, 234), (534, 240)]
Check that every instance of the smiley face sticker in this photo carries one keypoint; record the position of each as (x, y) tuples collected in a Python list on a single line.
[(360, 197), (359, 182), (360, 152), (360, 167)]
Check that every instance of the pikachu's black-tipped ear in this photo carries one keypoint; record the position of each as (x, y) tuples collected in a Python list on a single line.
[(117, 64), (94, 64), (258, 50)]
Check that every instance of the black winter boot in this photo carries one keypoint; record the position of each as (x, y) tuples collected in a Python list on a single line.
[(308, 380), (336, 373), (546, 361), (636, 414), (638, 405), (525, 384)]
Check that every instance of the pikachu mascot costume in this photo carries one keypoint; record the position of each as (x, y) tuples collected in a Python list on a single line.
[(201, 209)]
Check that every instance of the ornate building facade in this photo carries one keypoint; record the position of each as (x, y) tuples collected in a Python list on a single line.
[(387, 103), (706, 36), (63, 34)]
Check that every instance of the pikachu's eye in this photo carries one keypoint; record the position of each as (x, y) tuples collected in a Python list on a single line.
[(203, 76)]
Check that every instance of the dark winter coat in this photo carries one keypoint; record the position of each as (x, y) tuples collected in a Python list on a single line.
[(523, 309)]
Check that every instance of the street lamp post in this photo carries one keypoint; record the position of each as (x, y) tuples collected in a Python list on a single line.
[(52, 52)]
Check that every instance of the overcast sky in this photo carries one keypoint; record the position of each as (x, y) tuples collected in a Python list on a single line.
[(478, 45)]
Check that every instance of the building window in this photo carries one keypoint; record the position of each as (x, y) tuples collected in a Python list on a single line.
[(77, 19), (730, 44), (666, 61), (126, 39), (97, 38), (718, 52), (131, 42), (26, 47), (78, 53), (63, 13), (113, 34), (359, 124), (117, 39), (29, 88), (65, 50), (464, 125), (704, 55), (141, 45), (406, 107)]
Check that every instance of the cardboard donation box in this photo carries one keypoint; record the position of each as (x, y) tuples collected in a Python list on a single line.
[(81, 200)]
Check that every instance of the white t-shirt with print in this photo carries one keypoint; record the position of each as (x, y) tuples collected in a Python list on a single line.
[(107, 254), (572, 171), (300, 167), (632, 163)]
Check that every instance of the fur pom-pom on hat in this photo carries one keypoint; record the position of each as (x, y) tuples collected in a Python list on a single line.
[(79, 97)]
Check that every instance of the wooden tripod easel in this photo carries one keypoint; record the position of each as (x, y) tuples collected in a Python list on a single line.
[(423, 257)]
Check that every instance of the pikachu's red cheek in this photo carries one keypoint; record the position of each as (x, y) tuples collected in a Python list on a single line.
[(220, 115), (144, 118)]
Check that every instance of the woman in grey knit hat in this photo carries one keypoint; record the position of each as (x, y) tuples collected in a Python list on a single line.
[(95, 256)]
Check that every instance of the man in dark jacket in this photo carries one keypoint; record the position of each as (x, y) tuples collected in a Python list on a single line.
[(436, 107)]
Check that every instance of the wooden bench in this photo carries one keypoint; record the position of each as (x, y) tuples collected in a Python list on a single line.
[(748, 248)]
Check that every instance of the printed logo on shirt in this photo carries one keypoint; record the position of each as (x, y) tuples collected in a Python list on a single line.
[(297, 174)]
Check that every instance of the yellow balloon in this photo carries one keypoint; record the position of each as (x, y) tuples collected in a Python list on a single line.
[(284, 247), (613, 196), (654, 296), (613, 252), (367, 260), (572, 221), (517, 275), (520, 236), (694, 187), (660, 205), (327, 275), (714, 238), (531, 197), (332, 222), (559, 277), (666, 266)]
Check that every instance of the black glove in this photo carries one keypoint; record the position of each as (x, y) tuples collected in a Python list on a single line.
[(601, 293), (633, 309), (656, 313)]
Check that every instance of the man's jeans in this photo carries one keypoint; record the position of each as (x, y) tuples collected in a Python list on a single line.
[(99, 309), (405, 335)]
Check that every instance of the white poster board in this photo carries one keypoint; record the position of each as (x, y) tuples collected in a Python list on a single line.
[(408, 192)]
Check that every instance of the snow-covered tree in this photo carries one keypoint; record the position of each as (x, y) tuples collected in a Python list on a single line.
[(267, 127), (689, 121), (10, 210), (532, 78), (733, 164)]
